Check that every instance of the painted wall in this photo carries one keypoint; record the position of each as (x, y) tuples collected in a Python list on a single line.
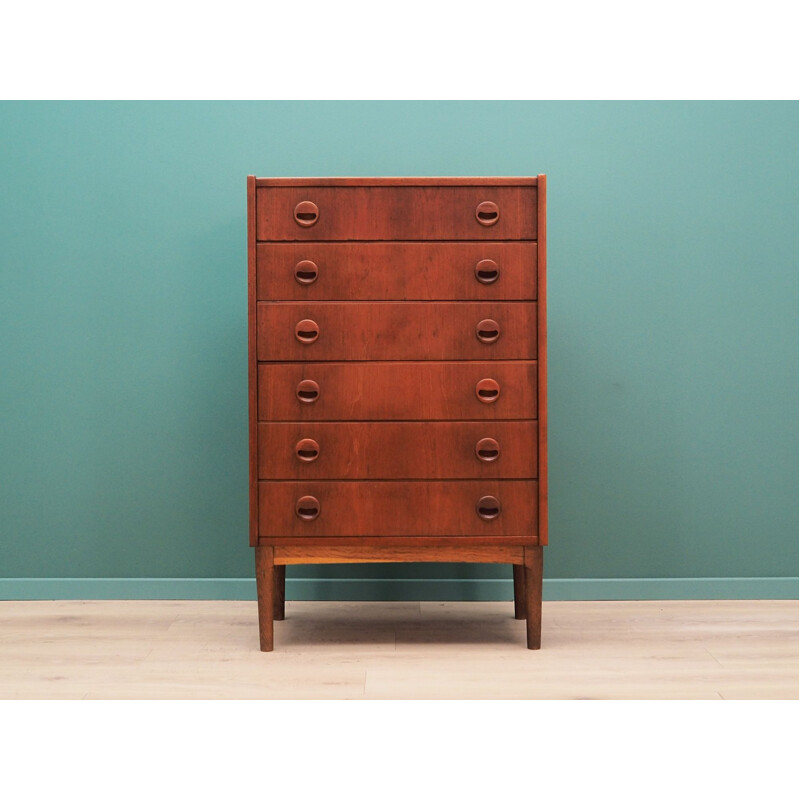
[(672, 278)]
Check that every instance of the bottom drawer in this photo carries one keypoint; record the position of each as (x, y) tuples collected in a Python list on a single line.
[(397, 508)]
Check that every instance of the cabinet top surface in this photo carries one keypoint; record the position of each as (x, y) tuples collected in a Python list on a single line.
[(398, 181)]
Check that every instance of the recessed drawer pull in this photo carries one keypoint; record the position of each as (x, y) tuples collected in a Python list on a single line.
[(488, 507), (307, 391), (306, 213), (487, 450), (487, 390), (306, 331), (487, 271), (487, 213), (307, 508), (488, 331), (305, 272), (307, 450)]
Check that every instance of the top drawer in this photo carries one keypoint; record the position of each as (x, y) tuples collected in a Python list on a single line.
[(375, 213)]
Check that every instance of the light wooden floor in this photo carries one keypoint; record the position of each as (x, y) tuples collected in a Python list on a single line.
[(190, 649)]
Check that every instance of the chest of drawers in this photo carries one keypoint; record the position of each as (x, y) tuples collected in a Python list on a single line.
[(397, 377)]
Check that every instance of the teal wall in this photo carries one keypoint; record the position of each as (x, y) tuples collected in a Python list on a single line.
[(673, 290)]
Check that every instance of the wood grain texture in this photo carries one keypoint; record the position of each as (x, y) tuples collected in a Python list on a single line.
[(542, 359), (519, 591), (533, 564), (399, 450), (322, 553), (279, 598), (397, 391), (252, 362), (265, 589), (395, 331), (396, 212), (397, 508), (396, 271)]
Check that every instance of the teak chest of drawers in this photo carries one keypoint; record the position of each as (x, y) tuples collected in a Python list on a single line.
[(397, 377)]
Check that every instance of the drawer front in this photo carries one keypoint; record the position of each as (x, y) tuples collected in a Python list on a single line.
[(396, 450), (397, 508), (396, 271), (388, 331), (479, 390), (301, 213)]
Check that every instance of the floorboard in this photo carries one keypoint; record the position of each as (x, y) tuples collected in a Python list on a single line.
[(737, 649)]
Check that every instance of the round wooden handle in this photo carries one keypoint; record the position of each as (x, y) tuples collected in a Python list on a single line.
[(487, 390), (487, 271), (305, 272), (307, 450), (306, 331), (306, 213), (307, 391), (488, 507), (487, 213), (487, 450), (307, 508), (487, 331)]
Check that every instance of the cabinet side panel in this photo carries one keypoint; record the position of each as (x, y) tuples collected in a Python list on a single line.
[(252, 365), (542, 356)]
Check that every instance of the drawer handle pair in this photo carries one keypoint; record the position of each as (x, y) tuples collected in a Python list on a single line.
[(307, 331), (306, 213), (307, 450), (487, 390), (306, 272), (307, 508)]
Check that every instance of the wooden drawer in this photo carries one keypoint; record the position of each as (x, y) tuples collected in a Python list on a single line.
[(395, 331), (416, 390), (396, 450), (304, 213), (396, 271), (396, 508)]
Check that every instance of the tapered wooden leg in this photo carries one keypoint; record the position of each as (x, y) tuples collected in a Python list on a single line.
[(519, 591), (533, 595), (279, 611), (265, 587)]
